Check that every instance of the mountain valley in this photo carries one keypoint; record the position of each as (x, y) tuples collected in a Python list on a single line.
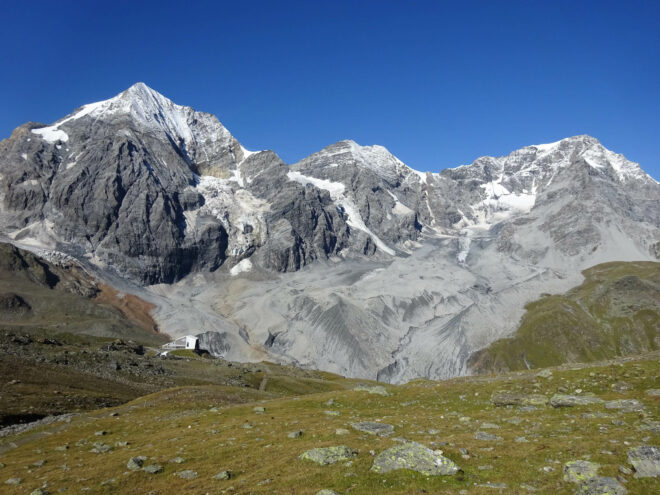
[(362, 327), (348, 261)]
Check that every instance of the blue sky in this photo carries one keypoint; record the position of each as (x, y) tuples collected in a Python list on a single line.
[(438, 83)]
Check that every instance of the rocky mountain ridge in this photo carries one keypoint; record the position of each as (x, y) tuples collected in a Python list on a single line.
[(348, 260)]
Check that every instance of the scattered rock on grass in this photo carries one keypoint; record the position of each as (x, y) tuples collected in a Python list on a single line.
[(645, 460), (650, 425), (621, 387), (514, 399), (546, 373), (326, 492), (374, 428), (223, 475), (482, 435), (295, 434), (13, 481), (153, 469), (579, 471), (375, 389), (100, 448), (625, 405), (565, 400), (602, 485), (187, 474), (415, 457), (328, 455), (585, 474), (135, 463)]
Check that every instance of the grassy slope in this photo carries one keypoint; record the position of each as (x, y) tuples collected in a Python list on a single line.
[(67, 299), (204, 426), (79, 373), (615, 312)]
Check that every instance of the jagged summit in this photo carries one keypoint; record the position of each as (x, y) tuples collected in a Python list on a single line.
[(348, 153), (540, 163), (580, 138), (148, 110)]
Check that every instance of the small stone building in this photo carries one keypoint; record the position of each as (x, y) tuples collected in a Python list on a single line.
[(186, 342)]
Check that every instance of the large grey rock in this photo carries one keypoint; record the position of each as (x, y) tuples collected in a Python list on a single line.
[(645, 460), (601, 485), (580, 471), (585, 475), (415, 457), (328, 455)]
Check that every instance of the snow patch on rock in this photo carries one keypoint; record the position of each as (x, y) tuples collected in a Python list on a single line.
[(337, 192), (242, 266)]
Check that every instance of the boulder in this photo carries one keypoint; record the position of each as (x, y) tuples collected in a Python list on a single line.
[(328, 455), (580, 471), (645, 460), (601, 485), (415, 457), (585, 474)]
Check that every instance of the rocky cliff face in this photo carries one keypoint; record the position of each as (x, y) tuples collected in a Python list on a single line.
[(405, 273)]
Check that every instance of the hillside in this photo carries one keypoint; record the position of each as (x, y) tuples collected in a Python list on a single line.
[(614, 312), (60, 296), (53, 373), (513, 433)]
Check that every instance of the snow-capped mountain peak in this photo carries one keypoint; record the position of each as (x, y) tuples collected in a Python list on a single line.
[(591, 150), (146, 108), (374, 158)]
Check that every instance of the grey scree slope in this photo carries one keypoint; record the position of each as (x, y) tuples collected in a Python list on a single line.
[(348, 261)]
